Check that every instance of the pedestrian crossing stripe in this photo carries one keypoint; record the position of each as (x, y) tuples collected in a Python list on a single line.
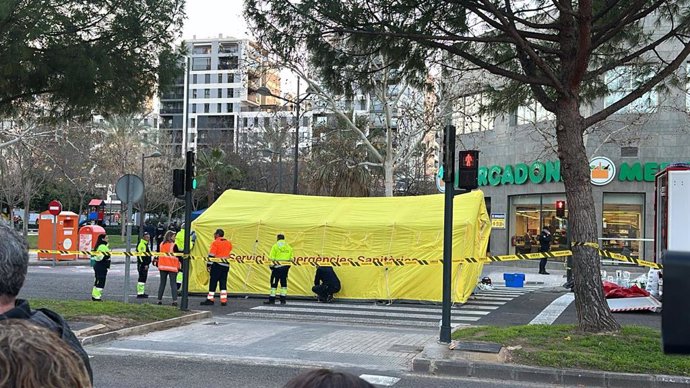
[(376, 308), (373, 262), (345, 319), (416, 315)]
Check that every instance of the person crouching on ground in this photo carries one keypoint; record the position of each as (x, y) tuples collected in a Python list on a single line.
[(220, 249), (280, 256), (100, 267), (326, 283), (168, 267)]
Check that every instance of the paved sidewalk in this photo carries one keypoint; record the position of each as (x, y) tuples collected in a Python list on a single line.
[(556, 277), (280, 343), (556, 270)]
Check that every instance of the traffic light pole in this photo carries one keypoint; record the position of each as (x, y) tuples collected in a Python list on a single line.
[(449, 179), (189, 176)]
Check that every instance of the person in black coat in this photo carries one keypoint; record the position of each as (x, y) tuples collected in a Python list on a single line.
[(544, 246), (160, 233), (14, 261), (326, 283), (151, 230)]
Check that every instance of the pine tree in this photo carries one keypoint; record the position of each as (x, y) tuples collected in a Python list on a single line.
[(556, 52)]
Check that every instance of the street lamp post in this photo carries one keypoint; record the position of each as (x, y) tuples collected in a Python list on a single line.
[(294, 182), (142, 213), (280, 166), (264, 91)]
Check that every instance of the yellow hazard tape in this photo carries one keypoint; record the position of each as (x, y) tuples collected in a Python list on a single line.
[(586, 244), (373, 262)]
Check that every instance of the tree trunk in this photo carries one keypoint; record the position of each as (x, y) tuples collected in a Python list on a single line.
[(27, 211), (170, 211), (210, 191), (593, 313), (388, 177), (81, 204)]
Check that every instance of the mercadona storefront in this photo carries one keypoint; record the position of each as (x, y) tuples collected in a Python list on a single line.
[(522, 199)]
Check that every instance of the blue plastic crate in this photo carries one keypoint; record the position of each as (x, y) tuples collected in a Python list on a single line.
[(514, 279)]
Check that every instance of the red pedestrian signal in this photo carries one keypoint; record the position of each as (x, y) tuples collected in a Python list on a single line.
[(468, 161), (467, 174), (560, 209)]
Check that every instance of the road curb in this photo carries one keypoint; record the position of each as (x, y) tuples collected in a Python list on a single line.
[(523, 373), (146, 328)]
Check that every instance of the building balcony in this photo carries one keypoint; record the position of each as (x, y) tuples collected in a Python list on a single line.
[(171, 111)]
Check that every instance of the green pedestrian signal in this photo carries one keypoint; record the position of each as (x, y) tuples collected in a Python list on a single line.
[(194, 184)]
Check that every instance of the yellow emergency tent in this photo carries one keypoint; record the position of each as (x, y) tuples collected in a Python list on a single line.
[(362, 229)]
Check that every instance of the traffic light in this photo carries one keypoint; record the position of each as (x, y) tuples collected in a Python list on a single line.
[(178, 182), (190, 180), (560, 209), (468, 172)]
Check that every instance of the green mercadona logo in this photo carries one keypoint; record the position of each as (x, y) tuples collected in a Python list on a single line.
[(602, 172)]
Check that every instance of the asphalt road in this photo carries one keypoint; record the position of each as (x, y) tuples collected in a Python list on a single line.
[(117, 371), (75, 282)]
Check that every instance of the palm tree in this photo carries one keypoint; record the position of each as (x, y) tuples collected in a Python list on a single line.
[(336, 166), (214, 172)]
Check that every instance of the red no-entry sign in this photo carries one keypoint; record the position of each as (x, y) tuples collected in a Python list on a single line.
[(54, 207)]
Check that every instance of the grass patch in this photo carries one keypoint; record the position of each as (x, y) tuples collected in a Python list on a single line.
[(634, 350), (115, 241), (87, 310)]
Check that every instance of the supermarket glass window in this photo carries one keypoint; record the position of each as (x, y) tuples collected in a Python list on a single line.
[(528, 215), (623, 223)]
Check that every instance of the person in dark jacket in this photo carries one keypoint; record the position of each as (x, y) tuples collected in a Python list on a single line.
[(14, 261), (101, 266), (544, 246), (160, 234), (151, 231), (33, 356), (326, 283)]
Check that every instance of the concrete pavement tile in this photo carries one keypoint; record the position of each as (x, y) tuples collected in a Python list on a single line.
[(493, 371), (421, 365), (628, 380), (671, 381), (537, 375), (586, 378), (458, 368)]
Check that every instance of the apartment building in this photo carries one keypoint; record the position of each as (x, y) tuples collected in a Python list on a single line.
[(224, 76)]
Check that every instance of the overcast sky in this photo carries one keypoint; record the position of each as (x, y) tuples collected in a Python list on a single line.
[(209, 18)]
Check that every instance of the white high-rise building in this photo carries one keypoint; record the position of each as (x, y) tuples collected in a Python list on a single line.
[(223, 79)]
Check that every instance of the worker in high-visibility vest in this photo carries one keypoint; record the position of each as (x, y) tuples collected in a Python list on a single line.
[(143, 263), (281, 257), (220, 249), (168, 266), (100, 268), (179, 248)]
